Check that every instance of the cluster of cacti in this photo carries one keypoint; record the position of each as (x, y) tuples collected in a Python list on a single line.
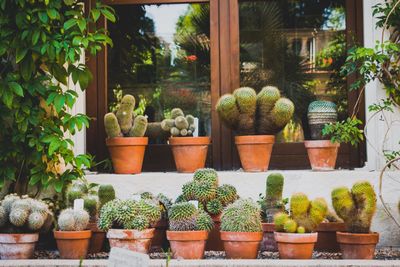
[(185, 216), (25, 214), (129, 214), (162, 200), (241, 216), (94, 197), (124, 122), (179, 124), (250, 113), (73, 220), (273, 203), (205, 188), (356, 206), (305, 215)]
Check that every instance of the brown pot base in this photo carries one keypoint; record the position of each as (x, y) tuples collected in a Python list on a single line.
[(241, 245), (17, 246), (133, 240), (357, 246), (295, 246), (73, 244), (187, 244), (327, 236)]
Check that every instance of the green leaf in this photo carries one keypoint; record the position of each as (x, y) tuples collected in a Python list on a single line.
[(20, 54), (16, 87), (35, 37), (70, 23), (82, 25), (54, 145), (52, 13), (43, 17), (95, 14), (108, 14)]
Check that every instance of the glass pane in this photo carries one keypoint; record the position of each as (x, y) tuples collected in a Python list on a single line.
[(161, 55), (298, 46)]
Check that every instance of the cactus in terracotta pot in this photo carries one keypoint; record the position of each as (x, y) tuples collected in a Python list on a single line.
[(73, 220), (272, 202), (179, 125)]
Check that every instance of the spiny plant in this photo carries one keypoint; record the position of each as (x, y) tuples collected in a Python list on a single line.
[(123, 122), (73, 220), (356, 206), (273, 202), (24, 214), (129, 214), (250, 113), (161, 200), (241, 216), (179, 124), (185, 216), (305, 215)]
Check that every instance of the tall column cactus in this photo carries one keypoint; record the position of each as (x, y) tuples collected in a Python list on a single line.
[(356, 206), (273, 196)]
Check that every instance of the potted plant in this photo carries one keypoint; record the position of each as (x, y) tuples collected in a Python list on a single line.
[(295, 233), (213, 198), (21, 220), (322, 153), (241, 229), (125, 137), (188, 230), (72, 236), (255, 118), (356, 207), (327, 240), (190, 152), (128, 222), (271, 204)]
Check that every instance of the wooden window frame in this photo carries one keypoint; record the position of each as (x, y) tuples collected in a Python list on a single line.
[(225, 76)]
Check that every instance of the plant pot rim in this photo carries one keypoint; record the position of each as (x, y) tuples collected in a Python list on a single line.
[(320, 144), (242, 236), (254, 139), (331, 227), (294, 238), (85, 234), (189, 141), (187, 235), (130, 233), (357, 238), (11, 238), (268, 227), (127, 141)]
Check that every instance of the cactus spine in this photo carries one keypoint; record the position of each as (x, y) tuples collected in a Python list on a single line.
[(185, 216), (241, 216)]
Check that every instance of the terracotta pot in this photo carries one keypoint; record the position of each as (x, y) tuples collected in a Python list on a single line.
[(241, 245), (127, 153), (322, 154), (357, 246), (295, 246), (327, 236), (97, 239), (190, 153), (73, 244), (187, 244), (159, 241), (17, 246), (214, 241), (255, 151), (133, 240), (268, 243)]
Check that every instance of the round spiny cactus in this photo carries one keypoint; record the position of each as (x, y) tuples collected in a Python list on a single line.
[(188, 190), (205, 191), (176, 112), (8, 200), (290, 226), (167, 124), (204, 222), (182, 217), (18, 216), (282, 112), (228, 110), (40, 207), (180, 199), (66, 220), (214, 206), (280, 219), (266, 99), (24, 204), (241, 216), (227, 194), (107, 214), (181, 123), (206, 175), (139, 223), (36, 221), (149, 209), (3, 216), (301, 230), (91, 205), (125, 211)]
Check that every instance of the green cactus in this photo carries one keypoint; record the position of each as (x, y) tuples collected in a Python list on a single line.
[(185, 216), (167, 124), (205, 191), (214, 206), (228, 111), (246, 100), (290, 226), (125, 113), (105, 193), (149, 209), (125, 211), (280, 219), (205, 175), (8, 201), (180, 199), (188, 190), (331, 216), (183, 132), (175, 131), (146, 195), (241, 216), (282, 112), (273, 196), (176, 112), (226, 194), (301, 230), (139, 127), (190, 119), (36, 221), (91, 205), (139, 223), (181, 123), (107, 211), (204, 222), (73, 220), (356, 207), (111, 125), (266, 99), (18, 216)]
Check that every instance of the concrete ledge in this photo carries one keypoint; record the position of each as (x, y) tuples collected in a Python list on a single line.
[(208, 263)]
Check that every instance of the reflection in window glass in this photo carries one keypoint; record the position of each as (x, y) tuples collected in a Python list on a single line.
[(298, 46), (161, 55)]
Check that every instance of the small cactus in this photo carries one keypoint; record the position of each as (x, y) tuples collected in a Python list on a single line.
[(105, 193), (111, 125), (179, 124), (73, 220), (273, 196), (214, 207), (241, 216), (176, 112), (139, 127), (124, 113), (185, 216)]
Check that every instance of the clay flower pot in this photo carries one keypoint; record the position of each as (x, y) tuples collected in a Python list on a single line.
[(241, 245), (133, 240), (327, 236), (190, 153), (159, 241), (127, 153), (214, 241), (268, 243), (255, 151), (97, 239), (322, 154), (295, 246), (73, 244), (357, 246), (187, 244), (17, 246)]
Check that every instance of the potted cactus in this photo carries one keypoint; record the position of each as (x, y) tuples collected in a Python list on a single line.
[(241, 229), (357, 208), (125, 137), (128, 223), (213, 198), (327, 240), (189, 152), (256, 119), (295, 233), (188, 230), (21, 220), (271, 204), (322, 152), (72, 236)]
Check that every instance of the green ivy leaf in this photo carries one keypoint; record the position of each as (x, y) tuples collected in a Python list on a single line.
[(70, 23), (17, 89), (107, 13)]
